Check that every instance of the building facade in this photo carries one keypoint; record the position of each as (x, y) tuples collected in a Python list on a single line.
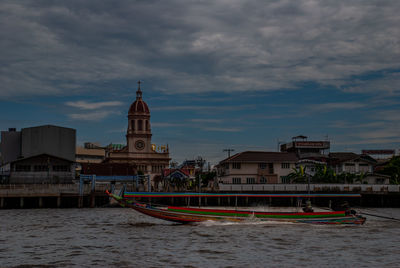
[(43, 154), (90, 153), (148, 158), (309, 153), (345, 162), (252, 167)]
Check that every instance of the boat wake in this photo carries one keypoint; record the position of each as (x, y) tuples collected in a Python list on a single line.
[(245, 222)]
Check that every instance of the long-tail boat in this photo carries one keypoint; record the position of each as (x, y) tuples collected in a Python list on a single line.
[(191, 215)]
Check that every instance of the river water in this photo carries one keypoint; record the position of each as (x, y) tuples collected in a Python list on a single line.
[(118, 237)]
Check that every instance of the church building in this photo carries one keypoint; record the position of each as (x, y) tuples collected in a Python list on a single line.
[(140, 152)]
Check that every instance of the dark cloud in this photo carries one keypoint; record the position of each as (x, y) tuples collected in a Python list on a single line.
[(72, 47)]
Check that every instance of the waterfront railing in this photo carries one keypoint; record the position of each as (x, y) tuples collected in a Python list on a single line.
[(375, 188)]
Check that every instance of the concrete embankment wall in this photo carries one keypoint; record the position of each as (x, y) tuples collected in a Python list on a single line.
[(51, 196)]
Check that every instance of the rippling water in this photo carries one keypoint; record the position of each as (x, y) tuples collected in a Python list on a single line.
[(117, 237)]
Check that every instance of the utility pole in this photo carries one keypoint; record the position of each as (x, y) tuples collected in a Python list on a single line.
[(200, 162), (229, 151)]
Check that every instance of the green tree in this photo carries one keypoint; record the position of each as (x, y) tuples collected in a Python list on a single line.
[(392, 169), (324, 174), (297, 175)]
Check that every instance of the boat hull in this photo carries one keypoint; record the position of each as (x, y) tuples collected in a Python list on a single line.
[(192, 215)]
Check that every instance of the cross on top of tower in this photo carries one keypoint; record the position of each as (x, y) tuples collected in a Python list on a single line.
[(139, 91)]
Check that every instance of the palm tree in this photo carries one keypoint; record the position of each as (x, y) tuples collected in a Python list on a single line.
[(324, 174), (359, 178), (298, 175)]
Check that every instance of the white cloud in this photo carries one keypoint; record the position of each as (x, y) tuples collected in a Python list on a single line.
[(165, 124), (388, 115), (92, 105), (201, 120), (221, 129), (92, 116), (345, 124), (338, 105), (202, 108)]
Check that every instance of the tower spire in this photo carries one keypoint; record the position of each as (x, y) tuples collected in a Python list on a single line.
[(139, 91)]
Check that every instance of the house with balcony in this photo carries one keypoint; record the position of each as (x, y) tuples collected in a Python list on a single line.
[(254, 167), (346, 162)]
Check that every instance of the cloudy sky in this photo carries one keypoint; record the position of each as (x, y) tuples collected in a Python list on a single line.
[(216, 74)]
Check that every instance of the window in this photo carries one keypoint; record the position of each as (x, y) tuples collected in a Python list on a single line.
[(23, 168), (133, 124), (40, 168), (285, 179), (140, 125), (262, 166), (250, 180), (271, 168), (236, 165), (364, 167), (156, 169), (141, 168), (263, 180), (236, 180), (380, 181), (285, 165), (60, 168)]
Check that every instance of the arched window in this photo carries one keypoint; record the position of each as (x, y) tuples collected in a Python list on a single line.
[(140, 124), (133, 124), (147, 125)]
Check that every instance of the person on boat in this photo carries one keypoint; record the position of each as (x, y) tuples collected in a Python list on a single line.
[(308, 207), (347, 210)]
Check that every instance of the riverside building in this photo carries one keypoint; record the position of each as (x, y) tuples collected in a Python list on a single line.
[(309, 153), (42, 154), (253, 167)]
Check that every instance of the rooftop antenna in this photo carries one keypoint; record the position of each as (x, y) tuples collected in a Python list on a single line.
[(279, 144), (229, 151)]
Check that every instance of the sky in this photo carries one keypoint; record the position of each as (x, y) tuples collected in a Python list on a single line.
[(217, 74)]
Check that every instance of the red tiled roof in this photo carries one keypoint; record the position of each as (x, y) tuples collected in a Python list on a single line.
[(347, 156), (270, 157), (139, 106), (168, 171)]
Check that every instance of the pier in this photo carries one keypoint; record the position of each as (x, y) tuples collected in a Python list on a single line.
[(93, 195)]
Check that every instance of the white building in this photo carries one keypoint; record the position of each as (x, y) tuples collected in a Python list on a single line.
[(253, 167), (351, 163)]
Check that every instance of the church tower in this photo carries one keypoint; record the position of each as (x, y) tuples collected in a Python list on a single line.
[(139, 151), (138, 136)]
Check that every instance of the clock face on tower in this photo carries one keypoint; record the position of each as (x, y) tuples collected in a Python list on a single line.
[(139, 144)]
